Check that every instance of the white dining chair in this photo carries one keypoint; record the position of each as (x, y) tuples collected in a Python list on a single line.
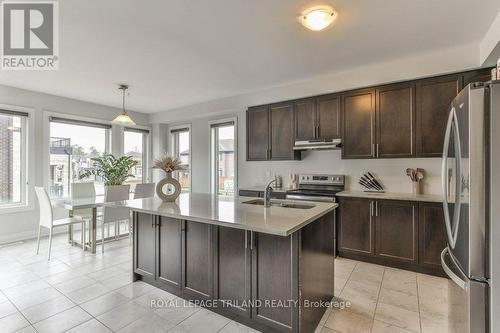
[(144, 190), (47, 218), (80, 191), (113, 214)]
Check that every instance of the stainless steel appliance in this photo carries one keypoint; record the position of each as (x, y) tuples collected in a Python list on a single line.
[(320, 144), (317, 188), (471, 188)]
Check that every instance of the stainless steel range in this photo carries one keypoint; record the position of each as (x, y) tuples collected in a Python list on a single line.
[(317, 188)]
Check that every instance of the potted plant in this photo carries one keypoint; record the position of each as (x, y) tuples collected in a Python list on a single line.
[(168, 164), (113, 171)]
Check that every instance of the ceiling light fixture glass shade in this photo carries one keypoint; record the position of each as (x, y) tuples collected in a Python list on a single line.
[(124, 118), (318, 18)]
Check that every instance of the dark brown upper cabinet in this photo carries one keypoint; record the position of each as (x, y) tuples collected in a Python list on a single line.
[(358, 114), (318, 118), (433, 100), (270, 133), (258, 133), (480, 75), (282, 132), (395, 118)]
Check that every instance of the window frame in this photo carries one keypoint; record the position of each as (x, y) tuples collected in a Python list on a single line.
[(172, 130), (213, 170), (27, 150), (146, 144), (108, 148)]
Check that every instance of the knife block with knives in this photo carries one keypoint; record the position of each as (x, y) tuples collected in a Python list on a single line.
[(370, 183)]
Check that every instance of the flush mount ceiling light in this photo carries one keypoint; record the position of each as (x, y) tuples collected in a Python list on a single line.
[(124, 118), (318, 18)]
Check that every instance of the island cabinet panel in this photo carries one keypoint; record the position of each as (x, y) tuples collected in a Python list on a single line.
[(356, 227), (169, 254), (396, 230), (274, 280), (329, 117), (144, 244), (305, 119), (258, 133), (197, 259), (432, 234), (432, 106), (282, 132), (358, 113), (233, 269), (395, 121)]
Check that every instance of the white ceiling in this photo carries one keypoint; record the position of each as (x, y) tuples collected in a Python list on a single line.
[(180, 52)]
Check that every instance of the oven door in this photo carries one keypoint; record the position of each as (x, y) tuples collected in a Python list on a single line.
[(309, 197)]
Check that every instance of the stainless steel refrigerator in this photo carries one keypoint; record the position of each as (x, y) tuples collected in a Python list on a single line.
[(471, 187)]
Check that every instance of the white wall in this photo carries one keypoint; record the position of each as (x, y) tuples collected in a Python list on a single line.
[(23, 224)]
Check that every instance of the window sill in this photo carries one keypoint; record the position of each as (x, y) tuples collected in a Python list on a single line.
[(12, 209)]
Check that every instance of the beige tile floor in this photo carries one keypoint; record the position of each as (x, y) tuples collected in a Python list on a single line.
[(81, 292), (386, 300)]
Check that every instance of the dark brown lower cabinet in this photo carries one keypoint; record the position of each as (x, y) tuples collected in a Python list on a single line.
[(432, 234), (356, 227), (252, 277), (145, 246), (197, 259), (396, 230), (402, 234), (233, 270)]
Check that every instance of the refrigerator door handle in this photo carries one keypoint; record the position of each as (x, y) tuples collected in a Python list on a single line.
[(444, 178), (455, 278)]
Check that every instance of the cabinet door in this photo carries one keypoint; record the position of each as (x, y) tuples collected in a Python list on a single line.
[(329, 118), (282, 132), (273, 280), (396, 230), (432, 234), (356, 226), (197, 260), (258, 133), (480, 75), (305, 119), (358, 112), (233, 269), (144, 244), (432, 105), (395, 121), (168, 259)]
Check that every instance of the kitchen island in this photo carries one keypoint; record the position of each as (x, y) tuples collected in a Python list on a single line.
[(268, 268)]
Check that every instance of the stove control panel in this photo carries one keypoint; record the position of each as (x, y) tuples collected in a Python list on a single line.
[(322, 179)]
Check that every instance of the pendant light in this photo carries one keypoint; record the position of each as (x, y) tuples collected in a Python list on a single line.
[(124, 118)]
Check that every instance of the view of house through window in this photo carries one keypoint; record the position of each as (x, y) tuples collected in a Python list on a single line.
[(181, 149), (72, 145), (135, 145), (223, 162), (12, 158)]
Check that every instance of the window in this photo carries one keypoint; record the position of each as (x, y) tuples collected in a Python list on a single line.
[(223, 157), (135, 144), (13, 138), (181, 148), (73, 144)]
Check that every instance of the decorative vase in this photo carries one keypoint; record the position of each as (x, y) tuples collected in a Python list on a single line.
[(168, 189)]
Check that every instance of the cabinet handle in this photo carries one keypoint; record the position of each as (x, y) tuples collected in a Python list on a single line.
[(246, 239), (251, 240), (376, 208), (371, 208), (377, 150), (373, 149)]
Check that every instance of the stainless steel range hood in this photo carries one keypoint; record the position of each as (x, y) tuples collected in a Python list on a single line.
[(317, 144)]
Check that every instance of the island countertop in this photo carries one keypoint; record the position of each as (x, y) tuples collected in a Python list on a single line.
[(232, 212)]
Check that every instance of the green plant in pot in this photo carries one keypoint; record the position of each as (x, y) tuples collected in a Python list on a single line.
[(169, 188), (113, 171)]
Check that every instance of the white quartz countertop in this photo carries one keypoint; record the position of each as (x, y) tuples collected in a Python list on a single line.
[(392, 196), (232, 212)]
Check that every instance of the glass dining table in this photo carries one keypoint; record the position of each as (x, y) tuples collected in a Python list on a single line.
[(92, 203)]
